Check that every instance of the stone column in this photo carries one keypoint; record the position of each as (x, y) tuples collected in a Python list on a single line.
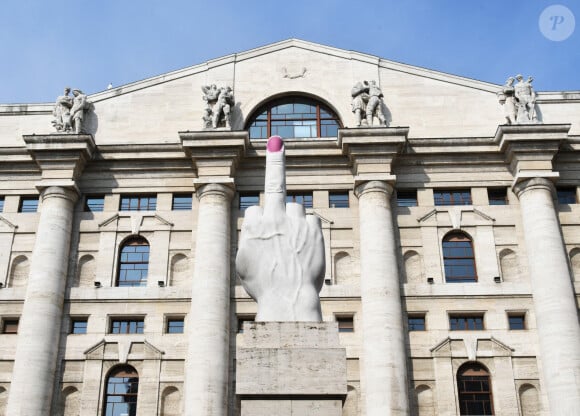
[(554, 303), (215, 155), (385, 362), (206, 370), (384, 375), (530, 150), (61, 159)]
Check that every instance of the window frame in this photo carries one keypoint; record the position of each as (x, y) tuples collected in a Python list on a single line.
[(2, 202), (94, 207), (345, 323), (182, 206), (244, 318), (23, 209), (455, 197), (514, 314), (127, 322), (343, 199), (145, 202), (467, 317), (411, 326), (307, 198), (404, 195), (243, 205), (174, 319), (451, 260), (10, 325), (77, 320), (265, 114), (567, 195), (497, 196), (126, 372), (136, 241), (468, 380)]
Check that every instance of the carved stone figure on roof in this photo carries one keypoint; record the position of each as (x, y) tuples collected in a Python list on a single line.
[(61, 112), (519, 101), (367, 103), (219, 103)]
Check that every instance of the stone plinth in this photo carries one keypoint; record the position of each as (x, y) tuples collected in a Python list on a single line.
[(291, 369)]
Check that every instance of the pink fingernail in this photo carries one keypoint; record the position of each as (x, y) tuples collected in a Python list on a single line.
[(275, 144)]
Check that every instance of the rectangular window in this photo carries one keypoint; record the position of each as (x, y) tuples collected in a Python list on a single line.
[(28, 204), (127, 326), (181, 202), (78, 326), (338, 200), (242, 319), (497, 196), (407, 197), (452, 197), (566, 195), (1, 204), (10, 325), (300, 198), (517, 321), (94, 203), (345, 323), (416, 322), (248, 200), (466, 322), (139, 203), (175, 326)]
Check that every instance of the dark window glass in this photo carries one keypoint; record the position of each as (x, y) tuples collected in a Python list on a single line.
[(127, 326), (466, 323), (304, 199), (345, 323), (517, 322), (10, 326), (78, 326), (181, 202), (248, 200), (416, 323), (134, 263), (94, 203), (407, 198), (458, 259), (1, 204), (497, 196), (28, 204), (338, 200), (241, 320), (175, 326), (452, 197), (121, 392), (139, 203), (294, 117), (474, 388), (566, 195)]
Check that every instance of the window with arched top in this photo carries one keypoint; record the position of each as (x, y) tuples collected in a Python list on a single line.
[(459, 258), (121, 392), (474, 388), (133, 263), (293, 117)]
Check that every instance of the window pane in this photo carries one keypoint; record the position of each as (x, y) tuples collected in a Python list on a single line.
[(28, 204), (182, 202), (138, 203), (1, 204), (566, 195), (79, 327), (345, 324), (497, 196), (304, 199), (407, 198), (416, 323), (175, 326), (516, 322), (94, 203), (338, 200), (452, 197), (248, 200), (127, 326)]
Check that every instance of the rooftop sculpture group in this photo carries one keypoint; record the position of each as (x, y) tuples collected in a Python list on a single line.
[(69, 112), (367, 103), (280, 258), (519, 101), (219, 104)]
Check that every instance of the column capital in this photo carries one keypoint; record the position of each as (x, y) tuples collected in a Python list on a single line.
[(61, 157), (530, 148), (215, 153), (533, 184), (372, 150), (223, 189), (383, 186)]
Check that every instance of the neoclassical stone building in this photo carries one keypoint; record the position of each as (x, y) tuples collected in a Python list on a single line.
[(452, 239)]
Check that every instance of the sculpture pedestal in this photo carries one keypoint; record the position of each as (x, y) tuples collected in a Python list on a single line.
[(291, 369)]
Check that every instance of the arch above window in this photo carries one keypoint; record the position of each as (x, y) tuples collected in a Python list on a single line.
[(293, 117), (121, 391), (133, 262), (459, 258)]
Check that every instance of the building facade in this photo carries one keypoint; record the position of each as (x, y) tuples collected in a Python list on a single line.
[(451, 227)]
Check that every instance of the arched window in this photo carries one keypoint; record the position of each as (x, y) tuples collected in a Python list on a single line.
[(121, 392), (133, 263), (294, 117), (474, 387), (458, 258)]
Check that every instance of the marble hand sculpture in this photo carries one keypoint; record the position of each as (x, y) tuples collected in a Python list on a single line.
[(281, 250)]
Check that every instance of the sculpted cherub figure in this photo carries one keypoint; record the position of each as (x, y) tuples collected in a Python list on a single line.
[(281, 250)]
